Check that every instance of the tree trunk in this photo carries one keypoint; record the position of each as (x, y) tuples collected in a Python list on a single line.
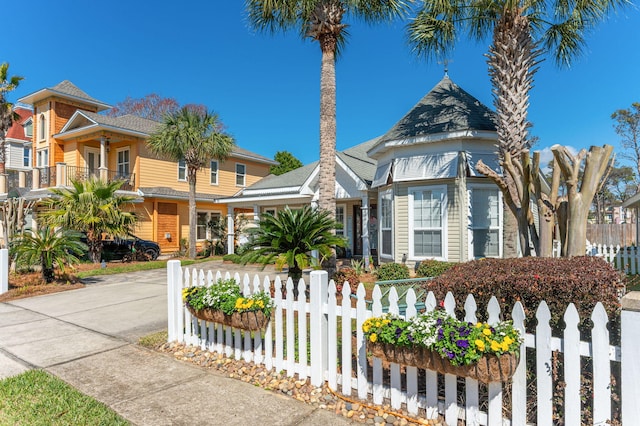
[(193, 216), (327, 173), (580, 193)]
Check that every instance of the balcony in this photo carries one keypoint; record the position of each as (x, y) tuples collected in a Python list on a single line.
[(63, 175)]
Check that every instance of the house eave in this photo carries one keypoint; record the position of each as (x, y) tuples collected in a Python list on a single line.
[(380, 149)]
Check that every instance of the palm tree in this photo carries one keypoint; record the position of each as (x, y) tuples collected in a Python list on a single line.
[(7, 114), (322, 21), (92, 207), (290, 237), (50, 248), (197, 138), (522, 31)]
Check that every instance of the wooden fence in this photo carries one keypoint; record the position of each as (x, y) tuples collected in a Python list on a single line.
[(330, 327), (623, 234)]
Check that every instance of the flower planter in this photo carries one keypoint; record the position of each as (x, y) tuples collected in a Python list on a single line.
[(255, 320), (490, 368)]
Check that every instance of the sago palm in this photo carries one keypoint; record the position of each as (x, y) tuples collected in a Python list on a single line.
[(323, 21), (93, 207), (197, 138), (7, 114), (290, 237), (50, 249)]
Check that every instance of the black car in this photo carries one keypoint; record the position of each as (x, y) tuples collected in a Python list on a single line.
[(129, 248)]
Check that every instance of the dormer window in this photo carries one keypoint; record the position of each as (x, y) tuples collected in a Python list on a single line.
[(28, 128), (42, 127)]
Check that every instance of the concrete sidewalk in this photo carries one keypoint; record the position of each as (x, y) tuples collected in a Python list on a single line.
[(87, 338)]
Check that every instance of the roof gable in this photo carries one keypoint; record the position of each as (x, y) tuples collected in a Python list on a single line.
[(65, 89), (446, 108), (16, 131)]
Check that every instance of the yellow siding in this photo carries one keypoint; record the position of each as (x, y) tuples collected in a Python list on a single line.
[(144, 227), (401, 221)]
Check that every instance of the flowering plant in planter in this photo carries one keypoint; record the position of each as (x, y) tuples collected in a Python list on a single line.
[(223, 301), (456, 343)]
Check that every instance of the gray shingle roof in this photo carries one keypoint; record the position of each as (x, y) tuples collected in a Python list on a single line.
[(127, 122), (68, 88), (165, 192), (293, 178), (446, 108), (358, 160)]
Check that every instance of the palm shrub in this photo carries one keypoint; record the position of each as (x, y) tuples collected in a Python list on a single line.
[(290, 237), (49, 248)]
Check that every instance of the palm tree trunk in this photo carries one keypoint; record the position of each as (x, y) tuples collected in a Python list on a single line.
[(193, 217)]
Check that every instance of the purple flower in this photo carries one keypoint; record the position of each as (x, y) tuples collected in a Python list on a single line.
[(440, 334), (439, 321), (398, 332), (462, 343), (450, 354)]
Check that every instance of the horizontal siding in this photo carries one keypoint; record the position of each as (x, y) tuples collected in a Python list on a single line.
[(144, 227), (454, 239), (401, 221)]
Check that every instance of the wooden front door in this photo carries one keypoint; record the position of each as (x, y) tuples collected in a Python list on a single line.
[(168, 226)]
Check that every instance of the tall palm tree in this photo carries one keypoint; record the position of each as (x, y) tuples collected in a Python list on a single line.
[(197, 138), (522, 31), (49, 248), (322, 21), (7, 114), (92, 207)]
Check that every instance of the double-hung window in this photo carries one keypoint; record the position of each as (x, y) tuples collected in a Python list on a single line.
[(427, 222), (123, 163), (485, 230), (182, 170), (241, 174), (26, 156), (214, 172), (386, 223), (340, 219)]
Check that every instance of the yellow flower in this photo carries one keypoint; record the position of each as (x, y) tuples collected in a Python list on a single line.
[(373, 337), (365, 327), (260, 304), (239, 304), (495, 346), (504, 346), (486, 332), (508, 340), (478, 324), (480, 345)]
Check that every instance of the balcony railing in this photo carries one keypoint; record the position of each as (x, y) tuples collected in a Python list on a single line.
[(49, 176)]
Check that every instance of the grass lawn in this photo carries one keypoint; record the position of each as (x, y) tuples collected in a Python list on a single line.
[(38, 398)]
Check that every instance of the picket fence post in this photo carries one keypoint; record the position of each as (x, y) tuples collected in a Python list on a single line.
[(318, 287), (174, 298), (629, 356)]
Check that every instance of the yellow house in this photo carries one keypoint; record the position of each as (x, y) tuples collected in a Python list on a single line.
[(71, 140)]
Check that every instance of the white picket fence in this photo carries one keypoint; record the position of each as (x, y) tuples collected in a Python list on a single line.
[(323, 318), (625, 259)]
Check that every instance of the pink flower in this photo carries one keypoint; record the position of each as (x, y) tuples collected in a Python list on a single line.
[(536, 276), (441, 303)]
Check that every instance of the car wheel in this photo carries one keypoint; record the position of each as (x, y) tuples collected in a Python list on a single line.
[(151, 254)]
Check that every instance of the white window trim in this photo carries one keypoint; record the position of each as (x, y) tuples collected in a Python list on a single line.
[(209, 213), (344, 219), (271, 210), (443, 222), (211, 172), (470, 228), (244, 184), (30, 158), (380, 228), (39, 155), (118, 151), (185, 171), (42, 127)]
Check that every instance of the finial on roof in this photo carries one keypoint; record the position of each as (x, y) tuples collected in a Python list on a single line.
[(446, 66)]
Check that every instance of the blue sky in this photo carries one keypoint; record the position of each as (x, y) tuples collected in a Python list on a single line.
[(266, 88)]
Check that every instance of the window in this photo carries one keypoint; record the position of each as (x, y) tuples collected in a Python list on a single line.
[(26, 156), (272, 212), (340, 219), (28, 128), (214, 172), (386, 223), (204, 224), (43, 158), (241, 173), (485, 221), (427, 217), (182, 170), (201, 226), (42, 127), (123, 163)]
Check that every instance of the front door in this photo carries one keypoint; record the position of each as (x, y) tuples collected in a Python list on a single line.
[(92, 160)]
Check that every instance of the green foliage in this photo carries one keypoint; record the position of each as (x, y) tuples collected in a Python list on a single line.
[(287, 163), (37, 398), (290, 237), (226, 296), (358, 266), (347, 274), (433, 268), (197, 137), (583, 281), (48, 248), (91, 206), (392, 271)]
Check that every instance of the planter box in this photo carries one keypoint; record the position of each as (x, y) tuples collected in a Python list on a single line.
[(251, 321), (490, 368)]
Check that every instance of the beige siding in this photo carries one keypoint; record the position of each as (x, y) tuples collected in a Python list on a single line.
[(401, 221), (454, 238)]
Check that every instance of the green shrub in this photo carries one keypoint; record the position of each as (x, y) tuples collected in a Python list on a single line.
[(235, 258), (392, 271), (433, 268), (583, 281)]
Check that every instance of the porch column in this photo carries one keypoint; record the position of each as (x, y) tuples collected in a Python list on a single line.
[(365, 230), (230, 233), (104, 171), (256, 213), (22, 179), (35, 178), (3, 184), (61, 174)]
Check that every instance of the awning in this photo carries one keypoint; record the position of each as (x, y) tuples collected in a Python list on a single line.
[(382, 175), (420, 167)]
